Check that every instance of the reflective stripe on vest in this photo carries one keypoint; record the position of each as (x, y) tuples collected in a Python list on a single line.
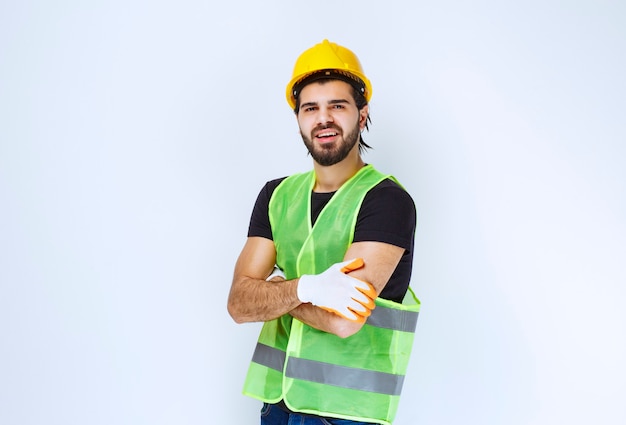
[(396, 320), (269, 357), (325, 373), (343, 376)]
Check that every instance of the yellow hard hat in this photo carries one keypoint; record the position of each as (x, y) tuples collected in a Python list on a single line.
[(327, 60)]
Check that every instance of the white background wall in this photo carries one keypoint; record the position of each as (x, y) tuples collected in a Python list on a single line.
[(135, 135)]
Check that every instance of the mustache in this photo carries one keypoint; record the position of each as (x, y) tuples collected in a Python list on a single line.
[(326, 127)]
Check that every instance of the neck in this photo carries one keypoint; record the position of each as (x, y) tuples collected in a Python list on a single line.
[(331, 178)]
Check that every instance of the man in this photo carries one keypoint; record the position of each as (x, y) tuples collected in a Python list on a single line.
[(327, 264)]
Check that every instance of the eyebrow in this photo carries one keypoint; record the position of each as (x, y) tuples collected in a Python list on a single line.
[(338, 101), (330, 102)]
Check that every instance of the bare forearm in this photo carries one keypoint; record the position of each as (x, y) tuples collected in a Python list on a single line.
[(325, 321), (256, 300)]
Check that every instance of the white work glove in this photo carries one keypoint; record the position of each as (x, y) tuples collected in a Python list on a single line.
[(276, 272), (335, 291)]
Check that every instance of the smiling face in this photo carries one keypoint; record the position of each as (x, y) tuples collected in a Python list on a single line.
[(329, 120)]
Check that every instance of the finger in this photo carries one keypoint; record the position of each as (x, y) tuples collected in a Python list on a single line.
[(364, 313), (359, 296), (366, 302), (276, 273), (346, 314), (352, 265), (368, 289), (359, 306), (357, 319), (365, 294)]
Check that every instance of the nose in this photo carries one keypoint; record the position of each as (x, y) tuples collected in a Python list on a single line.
[(324, 116)]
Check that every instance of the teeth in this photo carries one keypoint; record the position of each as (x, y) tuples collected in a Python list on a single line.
[(326, 134)]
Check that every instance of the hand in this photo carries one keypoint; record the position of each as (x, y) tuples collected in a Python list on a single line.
[(335, 291), (277, 272)]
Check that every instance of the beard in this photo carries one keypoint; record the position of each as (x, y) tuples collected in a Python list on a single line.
[(331, 153)]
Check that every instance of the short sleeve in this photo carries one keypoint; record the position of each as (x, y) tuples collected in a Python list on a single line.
[(387, 215), (260, 219)]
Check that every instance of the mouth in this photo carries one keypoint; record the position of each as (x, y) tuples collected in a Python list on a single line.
[(326, 135)]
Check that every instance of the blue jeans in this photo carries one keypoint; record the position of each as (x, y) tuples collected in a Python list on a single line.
[(274, 415)]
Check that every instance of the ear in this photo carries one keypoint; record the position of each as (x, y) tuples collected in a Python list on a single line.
[(363, 114)]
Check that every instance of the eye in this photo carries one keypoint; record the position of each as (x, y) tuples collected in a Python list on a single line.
[(338, 106), (309, 109)]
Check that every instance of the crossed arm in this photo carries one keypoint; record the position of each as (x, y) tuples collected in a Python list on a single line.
[(253, 299)]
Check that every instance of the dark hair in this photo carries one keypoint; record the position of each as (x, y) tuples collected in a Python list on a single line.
[(359, 100)]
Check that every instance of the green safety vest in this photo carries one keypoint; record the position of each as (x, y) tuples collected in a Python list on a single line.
[(357, 378)]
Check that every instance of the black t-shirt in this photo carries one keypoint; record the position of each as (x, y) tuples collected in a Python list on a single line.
[(387, 215)]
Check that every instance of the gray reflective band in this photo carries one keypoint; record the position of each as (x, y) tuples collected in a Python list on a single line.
[(345, 377), (389, 318), (269, 357)]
